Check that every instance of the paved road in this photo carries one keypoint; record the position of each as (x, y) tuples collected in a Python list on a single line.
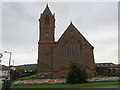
[(111, 86)]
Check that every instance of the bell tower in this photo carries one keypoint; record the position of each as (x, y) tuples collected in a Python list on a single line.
[(46, 41), (46, 26)]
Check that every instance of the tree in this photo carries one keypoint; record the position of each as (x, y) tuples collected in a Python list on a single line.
[(20, 69), (76, 74), (14, 75)]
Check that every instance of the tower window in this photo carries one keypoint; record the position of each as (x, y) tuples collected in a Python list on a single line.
[(47, 20), (46, 58)]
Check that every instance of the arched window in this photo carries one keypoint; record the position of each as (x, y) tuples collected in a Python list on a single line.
[(71, 50), (74, 50), (66, 50), (46, 58), (47, 19), (79, 50)]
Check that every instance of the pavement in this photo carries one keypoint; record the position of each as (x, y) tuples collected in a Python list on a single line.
[(108, 86)]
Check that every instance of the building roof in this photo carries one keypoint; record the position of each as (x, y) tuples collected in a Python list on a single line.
[(71, 26), (107, 65), (3, 67)]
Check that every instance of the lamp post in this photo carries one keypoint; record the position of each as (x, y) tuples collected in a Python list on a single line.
[(1, 55), (7, 82), (10, 57)]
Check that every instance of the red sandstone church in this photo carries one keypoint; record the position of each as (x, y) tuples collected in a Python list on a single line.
[(54, 58)]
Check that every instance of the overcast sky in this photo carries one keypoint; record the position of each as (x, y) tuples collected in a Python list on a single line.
[(97, 21)]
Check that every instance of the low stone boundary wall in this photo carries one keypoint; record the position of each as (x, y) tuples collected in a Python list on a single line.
[(111, 79)]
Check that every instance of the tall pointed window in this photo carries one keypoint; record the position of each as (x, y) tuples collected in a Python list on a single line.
[(46, 58), (71, 50), (79, 51), (66, 50), (74, 50)]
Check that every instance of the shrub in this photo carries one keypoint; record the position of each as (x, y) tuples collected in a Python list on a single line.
[(76, 74)]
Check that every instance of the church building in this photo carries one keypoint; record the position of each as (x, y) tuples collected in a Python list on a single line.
[(54, 58)]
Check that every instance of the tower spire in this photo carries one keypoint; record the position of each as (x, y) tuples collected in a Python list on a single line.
[(47, 25), (47, 10)]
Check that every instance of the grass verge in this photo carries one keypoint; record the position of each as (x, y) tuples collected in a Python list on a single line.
[(27, 77)]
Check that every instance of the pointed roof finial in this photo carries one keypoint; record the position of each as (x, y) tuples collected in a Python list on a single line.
[(70, 21), (47, 5)]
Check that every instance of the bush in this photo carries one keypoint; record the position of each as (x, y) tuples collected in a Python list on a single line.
[(76, 74)]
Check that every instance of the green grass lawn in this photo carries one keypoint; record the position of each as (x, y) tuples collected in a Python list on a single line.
[(0, 86), (67, 85), (27, 77), (106, 76)]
